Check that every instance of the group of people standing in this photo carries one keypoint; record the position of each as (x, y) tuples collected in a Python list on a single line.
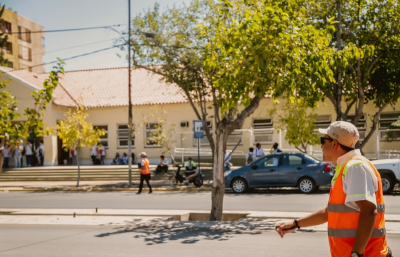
[(255, 154), (97, 154), (18, 150)]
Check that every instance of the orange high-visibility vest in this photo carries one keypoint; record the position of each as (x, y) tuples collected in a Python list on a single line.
[(145, 170), (343, 220)]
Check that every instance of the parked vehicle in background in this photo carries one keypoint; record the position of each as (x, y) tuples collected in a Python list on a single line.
[(281, 170), (390, 173)]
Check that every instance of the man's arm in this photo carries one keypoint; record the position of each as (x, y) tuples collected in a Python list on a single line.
[(317, 218), (366, 223)]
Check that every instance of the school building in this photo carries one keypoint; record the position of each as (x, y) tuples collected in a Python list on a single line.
[(105, 94)]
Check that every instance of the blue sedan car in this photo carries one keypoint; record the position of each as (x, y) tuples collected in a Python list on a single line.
[(281, 170)]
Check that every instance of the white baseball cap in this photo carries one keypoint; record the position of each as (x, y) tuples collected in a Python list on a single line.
[(344, 132), (143, 154)]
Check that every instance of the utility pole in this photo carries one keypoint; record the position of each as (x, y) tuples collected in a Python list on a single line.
[(130, 126), (339, 67)]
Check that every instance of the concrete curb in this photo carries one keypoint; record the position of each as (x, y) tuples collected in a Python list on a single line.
[(94, 189)]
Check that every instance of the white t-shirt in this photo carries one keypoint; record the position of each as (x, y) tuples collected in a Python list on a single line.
[(163, 162), (28, 149), (258, 153), (359, 183), (41, 147), (93, 152)]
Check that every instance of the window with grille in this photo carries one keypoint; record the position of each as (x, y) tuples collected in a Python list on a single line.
[(103, 138), (323, 121), (122, 136), (153, 134), (386, 131), (6, 27), (234, 138), (361, 126), (263, 130)]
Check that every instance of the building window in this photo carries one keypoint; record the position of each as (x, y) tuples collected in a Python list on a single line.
[(263, 130), (386, 131), (24, 34), (103, 138), (234, 138), (122, 136), (361, 126), (153, 134), (10, 64), (6, 27), (25, 53), (323, 121), (8, 48)]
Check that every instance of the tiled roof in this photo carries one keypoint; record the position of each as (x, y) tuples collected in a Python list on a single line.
[(35, 81), (109, 87)]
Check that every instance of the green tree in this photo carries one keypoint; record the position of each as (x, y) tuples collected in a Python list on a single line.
[(226, 56), (75, 132), (11, 130), (370, 33), (299, 122)]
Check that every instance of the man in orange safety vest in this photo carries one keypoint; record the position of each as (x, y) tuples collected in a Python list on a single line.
[(356, 209)]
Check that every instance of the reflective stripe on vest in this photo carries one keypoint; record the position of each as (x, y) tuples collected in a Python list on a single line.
[(346, 209), (343, 220), (377, 232), (145, 169)]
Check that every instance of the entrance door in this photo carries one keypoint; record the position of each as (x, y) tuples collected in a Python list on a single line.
[(61, 153)]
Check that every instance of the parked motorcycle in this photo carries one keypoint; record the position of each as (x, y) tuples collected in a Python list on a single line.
[(190, 176)]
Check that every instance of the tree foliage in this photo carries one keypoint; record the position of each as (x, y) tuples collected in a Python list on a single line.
[(299, 122), (3, 38), (75, 132), (226, 56), (371, 41)]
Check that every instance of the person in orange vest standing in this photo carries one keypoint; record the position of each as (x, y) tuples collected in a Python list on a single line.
[(144, 166), (356, 209)]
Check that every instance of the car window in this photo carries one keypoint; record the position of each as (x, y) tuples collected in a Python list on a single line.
[(268, 162), (289, 160)]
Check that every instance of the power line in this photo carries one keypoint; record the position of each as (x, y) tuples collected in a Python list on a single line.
[(66, 30), (73, 57)]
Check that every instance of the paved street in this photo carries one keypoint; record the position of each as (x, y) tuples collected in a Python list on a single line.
[(272, 200), (43, 241)]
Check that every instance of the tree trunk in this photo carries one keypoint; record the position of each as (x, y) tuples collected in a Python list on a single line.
[(79, 166), (218, 188)]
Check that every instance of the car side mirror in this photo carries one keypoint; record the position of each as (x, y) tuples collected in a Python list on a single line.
[(254, 167)]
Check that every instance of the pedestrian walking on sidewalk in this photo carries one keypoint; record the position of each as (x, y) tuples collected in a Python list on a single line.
[(40, 153), (356, 209), (144, 167)]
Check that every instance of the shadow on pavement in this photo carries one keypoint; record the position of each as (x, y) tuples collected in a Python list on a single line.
[(161, 231)]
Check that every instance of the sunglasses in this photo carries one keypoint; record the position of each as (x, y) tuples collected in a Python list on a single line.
[(326, 138)]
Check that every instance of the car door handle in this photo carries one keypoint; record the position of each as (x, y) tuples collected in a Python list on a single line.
[(299, 168), (271, 170)]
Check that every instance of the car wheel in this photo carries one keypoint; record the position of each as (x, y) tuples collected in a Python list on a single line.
[(387, 183), (239, 185), (307, 185)]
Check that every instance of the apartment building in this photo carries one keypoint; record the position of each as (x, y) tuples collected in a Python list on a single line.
[(25, 46)]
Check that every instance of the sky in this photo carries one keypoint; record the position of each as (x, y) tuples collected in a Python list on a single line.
[(68, 14)]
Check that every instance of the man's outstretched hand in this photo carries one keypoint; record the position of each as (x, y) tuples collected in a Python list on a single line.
[(284, 228)]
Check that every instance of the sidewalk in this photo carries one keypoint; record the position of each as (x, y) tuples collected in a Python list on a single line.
[(157, 185), (239, 220)]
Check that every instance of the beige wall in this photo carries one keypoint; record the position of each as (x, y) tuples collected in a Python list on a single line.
[(176, 113)]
